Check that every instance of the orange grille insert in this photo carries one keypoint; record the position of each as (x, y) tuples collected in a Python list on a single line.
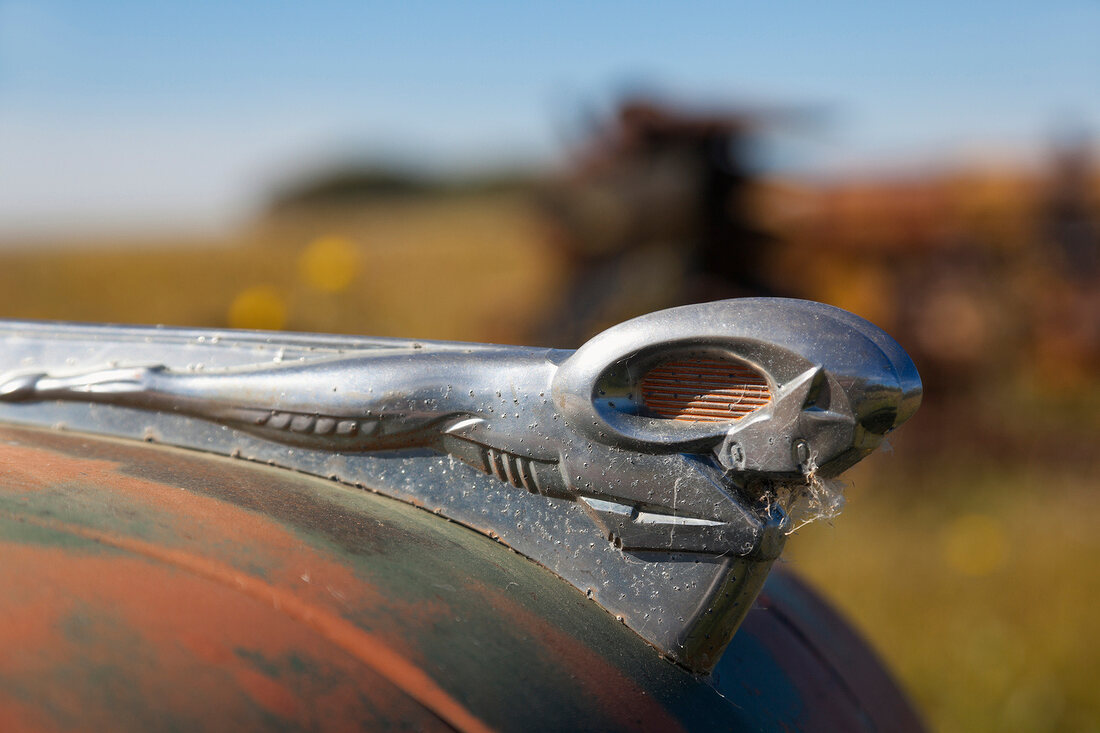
[(704, 390)]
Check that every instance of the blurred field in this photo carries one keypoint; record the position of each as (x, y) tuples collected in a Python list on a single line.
[(975, 574), (461, 268), (968, 555)]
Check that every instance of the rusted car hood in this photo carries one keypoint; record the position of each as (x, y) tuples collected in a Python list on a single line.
[(146, 587)]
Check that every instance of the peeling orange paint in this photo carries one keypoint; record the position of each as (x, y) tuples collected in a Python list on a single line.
[(138, 619)]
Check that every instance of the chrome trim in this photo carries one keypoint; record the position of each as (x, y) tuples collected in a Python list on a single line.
[(668, 524)]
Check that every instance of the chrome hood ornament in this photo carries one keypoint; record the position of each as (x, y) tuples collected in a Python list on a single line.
[(659, 447)]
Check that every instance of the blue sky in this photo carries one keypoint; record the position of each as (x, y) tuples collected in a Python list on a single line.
[(159, 114)]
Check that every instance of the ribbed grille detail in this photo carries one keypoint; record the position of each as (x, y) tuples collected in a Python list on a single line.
[(513, 469), (704, 390)]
